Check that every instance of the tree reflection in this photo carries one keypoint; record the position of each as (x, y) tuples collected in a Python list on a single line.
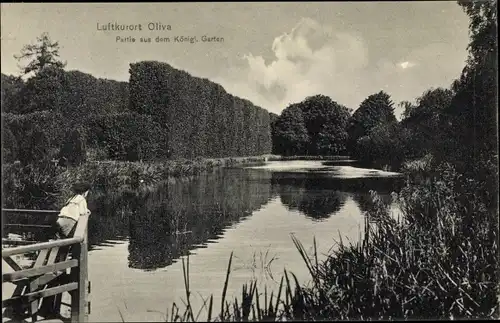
[(164, 222), (321, 195), (309, 195), (109, 219)]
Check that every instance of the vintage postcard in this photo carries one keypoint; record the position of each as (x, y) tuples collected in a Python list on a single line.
[(253, 161)]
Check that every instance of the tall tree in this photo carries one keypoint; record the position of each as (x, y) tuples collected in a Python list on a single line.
[(43, 54), (376, 109), (290, 133), (474, 108), (387, 144), (314, 126), (325, 121), (44, 92), (332, 139), (430, 105), (427, 124), (407, 107)]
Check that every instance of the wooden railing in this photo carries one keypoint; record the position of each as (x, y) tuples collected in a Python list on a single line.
[(39, 288)]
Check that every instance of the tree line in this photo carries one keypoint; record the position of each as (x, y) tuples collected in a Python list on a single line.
[(70, 116), (457, 124), (201, 119)]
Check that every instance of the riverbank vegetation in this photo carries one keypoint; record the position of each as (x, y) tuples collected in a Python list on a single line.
[(46, 185)]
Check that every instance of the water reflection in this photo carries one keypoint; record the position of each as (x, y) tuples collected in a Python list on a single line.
[(109, 220), (308, 196), (167, 221), (320, 196)]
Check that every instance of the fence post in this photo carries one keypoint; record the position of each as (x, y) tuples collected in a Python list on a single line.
[(83, 279), (79, 297)]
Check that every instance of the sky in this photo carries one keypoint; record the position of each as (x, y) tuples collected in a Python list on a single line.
[(273, 54)]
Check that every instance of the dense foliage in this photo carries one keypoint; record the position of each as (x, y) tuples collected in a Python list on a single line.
[(315, 126), (73, 94), (58, 102), (9, 146), (374, 110), (290, 133), (198, 116), (73, 150), (127, 136), (11, 86)]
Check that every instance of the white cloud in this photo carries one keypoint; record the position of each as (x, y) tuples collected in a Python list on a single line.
[(315, 59), (311, 59)]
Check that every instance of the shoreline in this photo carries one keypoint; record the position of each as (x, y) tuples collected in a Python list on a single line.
[(119, 175)]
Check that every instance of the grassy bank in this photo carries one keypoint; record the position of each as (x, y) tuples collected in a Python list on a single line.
[(46, 186), (438, 261), (117, 174)]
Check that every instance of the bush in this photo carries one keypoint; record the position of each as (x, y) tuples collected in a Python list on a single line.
[(9, 146), (387, 143), (73, 151), (53, 125), (127, 136), (96, 154), (11, 86), (31, 186), (36, 149)]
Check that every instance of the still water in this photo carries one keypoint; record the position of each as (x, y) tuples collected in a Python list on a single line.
[(138, 238)]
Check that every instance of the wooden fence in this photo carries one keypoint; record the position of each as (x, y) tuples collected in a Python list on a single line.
[(58, 266)]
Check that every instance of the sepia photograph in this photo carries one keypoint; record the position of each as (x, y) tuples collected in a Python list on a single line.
[(249, 161)]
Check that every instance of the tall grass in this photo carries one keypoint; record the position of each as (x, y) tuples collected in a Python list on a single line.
[(46, 185), (438, 261), (119, 173)]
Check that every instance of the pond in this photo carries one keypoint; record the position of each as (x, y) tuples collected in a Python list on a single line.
[(138, 239)]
